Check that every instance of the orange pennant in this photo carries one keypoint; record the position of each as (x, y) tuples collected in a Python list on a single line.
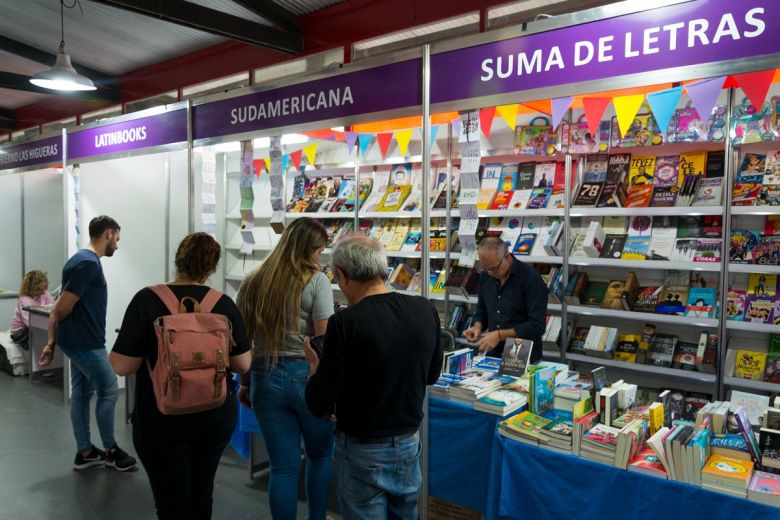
[(384, 142), (295, 157), (486, 119), (755, 85)]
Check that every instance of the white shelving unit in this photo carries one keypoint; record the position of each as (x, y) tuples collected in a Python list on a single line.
[(747, 384), (755, 210), (754, 268), (752, 327), (645, 264), (528, 259), (318, 216), (699, 377), (648, 212), (648, 317)]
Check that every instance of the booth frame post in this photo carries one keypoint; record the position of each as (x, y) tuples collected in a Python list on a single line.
[(190, 172)]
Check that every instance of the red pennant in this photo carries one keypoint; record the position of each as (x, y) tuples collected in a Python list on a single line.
[(730, 82), (486, 119), (755, 85), (594, 109), (384, 142), (295, 157), (258, 165)]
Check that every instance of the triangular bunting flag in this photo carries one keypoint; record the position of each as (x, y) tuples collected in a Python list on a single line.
[(384, 139), (295, 157), (559, 107), (704, 94), (755, 85), (594, 109), (457, 127), (285, 163), (626, 108), (730, 82), (267, 162), (402, 137), (486, 119), (364, 140), (509, 114), (663, 104), (434, 132), (257, 165), (310, 152), (351, 139)]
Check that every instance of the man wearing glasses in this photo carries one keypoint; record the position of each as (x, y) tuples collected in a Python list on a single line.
[(512, 301)]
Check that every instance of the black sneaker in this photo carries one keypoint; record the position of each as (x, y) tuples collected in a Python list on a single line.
[(95, 457), (120, 460)]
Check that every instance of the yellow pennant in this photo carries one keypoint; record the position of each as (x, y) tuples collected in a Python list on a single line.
[(626, 108), (509, 113), (402, 137), (310, 152), (267, 162)]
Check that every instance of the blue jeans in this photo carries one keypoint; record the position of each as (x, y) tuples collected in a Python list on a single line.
[(91, 374), (378, 480), (278, 400)]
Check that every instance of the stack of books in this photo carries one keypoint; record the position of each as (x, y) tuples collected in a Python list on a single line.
[(726, 475), (524, 427), (765, 488), (600, 444)]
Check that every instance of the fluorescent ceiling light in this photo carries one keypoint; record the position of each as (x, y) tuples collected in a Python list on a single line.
[(294, 139), (337, 128)]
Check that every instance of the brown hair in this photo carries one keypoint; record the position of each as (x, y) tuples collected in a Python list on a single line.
[(101, 224), (270, 297), (33, 284), (197, 256)]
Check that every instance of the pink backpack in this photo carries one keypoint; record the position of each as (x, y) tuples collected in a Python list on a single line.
[(193, 352)]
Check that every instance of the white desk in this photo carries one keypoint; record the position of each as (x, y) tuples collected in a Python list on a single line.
[(39, 336)]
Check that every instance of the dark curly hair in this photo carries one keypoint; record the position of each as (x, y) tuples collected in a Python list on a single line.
[(197, 256)]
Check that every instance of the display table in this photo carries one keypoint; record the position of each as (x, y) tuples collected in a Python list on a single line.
[(7, 294), (464, 456), (39, 336), (540, 483)]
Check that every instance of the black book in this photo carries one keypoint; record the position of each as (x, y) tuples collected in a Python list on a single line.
[(662, 350), (613, 246), (715, 164), (588, 194), (689, 226), (525, 175), (685, 356)]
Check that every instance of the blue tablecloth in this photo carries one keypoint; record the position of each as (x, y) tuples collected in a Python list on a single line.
[(538, 483), (464, 456)]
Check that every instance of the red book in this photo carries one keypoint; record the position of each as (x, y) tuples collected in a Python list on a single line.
[(501, 200), (639, 196)]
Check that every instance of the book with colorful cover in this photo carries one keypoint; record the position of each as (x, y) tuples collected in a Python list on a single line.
[(542, 389), (394, 197), (664, 197), (509, 174), (636, 248), (772, 162), (735, 305), (544, 175), (691, 163), (596, 168), (768, 195), (491, 178), (524, 244), (641, 170), (758, 309), (665, 175), (772, 371), (502, 200), (750, 365), (539, 198), (640, 196), (707, 250), (753, 168), (701, 302), (745, 193), (767, 252), (765, 483), (742, 245), (709, 192), (760, 284)]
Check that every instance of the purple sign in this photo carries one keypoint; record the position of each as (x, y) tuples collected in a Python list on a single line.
[(144, 132), (387, 87), (44, 151), (689, 33)]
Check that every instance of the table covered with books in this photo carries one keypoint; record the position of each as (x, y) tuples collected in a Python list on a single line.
[(464, 456), (541, 483)]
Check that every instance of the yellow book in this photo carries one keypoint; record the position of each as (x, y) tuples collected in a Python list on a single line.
[(438, 285), (750, 365), (655, 418), (641, 170), (727, 469), (401, 277), (399, 235), (388, 232), (691, 163), (394, 198)]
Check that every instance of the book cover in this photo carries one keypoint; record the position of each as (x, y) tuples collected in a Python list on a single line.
[(672, 300), (613, 246), (525, 176), (640, 226), (516, 357), (753, 168), (691, 163), (685, 249), (640, 196), (745, 193), (588, 194), (525, 244), (539, 198), (644, 131), (647, 298), (750, 365), (578, 337), (614, 225), (690, 226), (596, 168), (772, 162), (742, 245), (685, 356), (394, 197), (509, 173), (594, 293), (716, 161), (765, 484), (664, 197), (662, 350), (626, 348), (502, 200), (735, 304), (727, 469), (768, 195), (772, 225), (544, 175), (641, 170), (520, 199), (772, 371), (760, 284), (767, 252), (636, 248), (542, 386), (758, 309), (701, 302), (665, 175), (707, 250), (709, 192)]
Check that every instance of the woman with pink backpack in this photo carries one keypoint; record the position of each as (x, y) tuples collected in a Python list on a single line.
[(183, 339)]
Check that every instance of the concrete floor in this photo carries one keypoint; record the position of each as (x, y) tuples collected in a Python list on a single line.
[(37, 480)]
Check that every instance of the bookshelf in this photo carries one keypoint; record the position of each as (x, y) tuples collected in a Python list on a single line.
[(753, 268), (648, 317), (646, 264), (676, 373), (767, 328), (747, 384), (648, 212)]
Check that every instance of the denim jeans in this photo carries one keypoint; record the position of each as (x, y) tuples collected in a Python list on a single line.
[(278, 400), (90, 374), (378, 480)]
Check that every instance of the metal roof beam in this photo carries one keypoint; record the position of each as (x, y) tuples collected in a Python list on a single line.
[(212, 21), (272, 12), (13, 81), (46, 58)]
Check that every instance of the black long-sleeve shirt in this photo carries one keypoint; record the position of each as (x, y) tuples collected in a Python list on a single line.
[(378, 357), (520, 304)]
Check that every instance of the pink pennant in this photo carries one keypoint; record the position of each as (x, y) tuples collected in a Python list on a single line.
[(594, 109)]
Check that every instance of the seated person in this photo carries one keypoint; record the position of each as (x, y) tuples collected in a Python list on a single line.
[(33, 293)]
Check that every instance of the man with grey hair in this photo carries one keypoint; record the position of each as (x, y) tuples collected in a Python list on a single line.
[(378, 356), (512, 301)]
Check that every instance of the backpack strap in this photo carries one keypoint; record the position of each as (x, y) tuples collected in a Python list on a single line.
[(210, 300), (167, 296)]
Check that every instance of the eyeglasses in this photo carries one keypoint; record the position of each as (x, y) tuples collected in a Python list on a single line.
[(493, 270)]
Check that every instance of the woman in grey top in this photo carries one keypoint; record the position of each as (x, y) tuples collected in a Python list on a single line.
[(284, 300)]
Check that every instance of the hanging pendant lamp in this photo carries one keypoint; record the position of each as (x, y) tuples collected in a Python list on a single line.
[(62, 76)]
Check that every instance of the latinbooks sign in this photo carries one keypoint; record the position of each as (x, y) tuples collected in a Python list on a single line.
[(688, 33), (389, 87), (31, 154), (126, 136)]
